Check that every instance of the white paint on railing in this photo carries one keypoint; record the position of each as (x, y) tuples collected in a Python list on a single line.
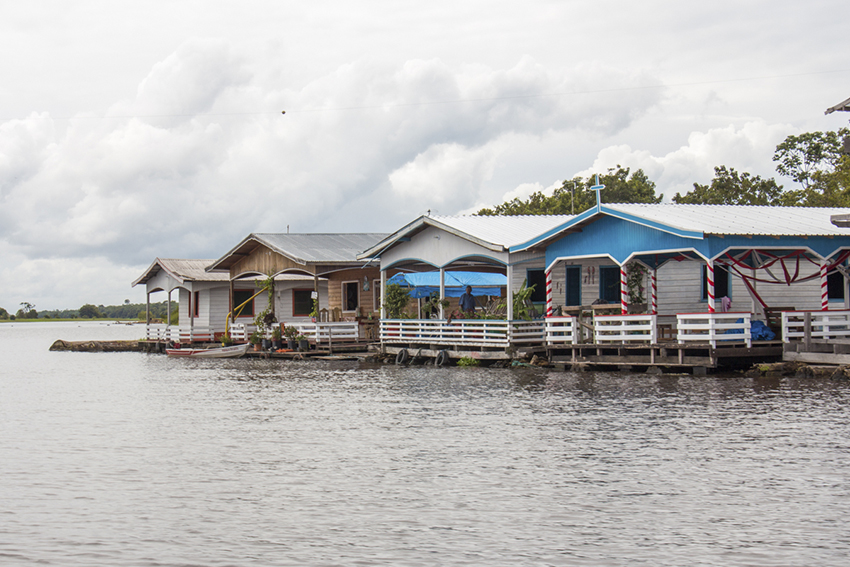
[(641, 328), (462, 332), (824, 324), (714, 327), (561, 330)]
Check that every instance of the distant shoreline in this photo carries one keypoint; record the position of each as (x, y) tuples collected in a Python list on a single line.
[(78, 320)]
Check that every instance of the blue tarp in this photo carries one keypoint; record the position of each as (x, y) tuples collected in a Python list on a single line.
[(422, 284)]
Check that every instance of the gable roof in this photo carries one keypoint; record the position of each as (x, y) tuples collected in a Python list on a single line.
[(698, 221), (304, 249), (496, 233), (841, 106), (182, 270)]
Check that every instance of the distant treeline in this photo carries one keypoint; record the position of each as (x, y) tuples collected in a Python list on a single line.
[(125, 312)]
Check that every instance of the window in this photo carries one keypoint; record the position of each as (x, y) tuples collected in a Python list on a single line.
[(609, 284), (196, 301), (302, 302), (721, 282), (537, 278), (350, 295), (835, 286), (240, 296), (573, 281)]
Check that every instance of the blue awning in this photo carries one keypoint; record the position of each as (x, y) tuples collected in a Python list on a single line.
[(422, 284)]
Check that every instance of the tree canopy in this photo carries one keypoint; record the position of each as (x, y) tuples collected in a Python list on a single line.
[(575, 195), (732, 188)]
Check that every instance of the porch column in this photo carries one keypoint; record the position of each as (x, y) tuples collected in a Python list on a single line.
[(191, 314), (232, 309), (709, 284), (383, 293), (442, 291), (318, 297), (147, 308), (624, 290), (168, 310), (549, 292), (653, 290), (510, 292), (824, 293)]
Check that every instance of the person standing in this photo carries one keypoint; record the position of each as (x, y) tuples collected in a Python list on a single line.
[(467, 301)]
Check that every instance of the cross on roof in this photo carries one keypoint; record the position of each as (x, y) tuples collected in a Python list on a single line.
[(598, 187)]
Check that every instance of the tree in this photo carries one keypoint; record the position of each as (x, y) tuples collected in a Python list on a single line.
[(395, 300), (4, 314), (27, 311), (89, 311), (802, 157), (575, 195), (731, 188)]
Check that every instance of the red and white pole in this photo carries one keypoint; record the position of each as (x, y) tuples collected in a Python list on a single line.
[(709, 276), (624, 291), (653, 287), (549, 292), (824, 290)]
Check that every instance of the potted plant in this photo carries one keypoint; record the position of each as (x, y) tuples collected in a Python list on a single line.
[(255, 339), (276, 343), (226, 341), (290, 333), (303, 343)]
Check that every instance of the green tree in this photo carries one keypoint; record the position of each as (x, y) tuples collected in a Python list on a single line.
[(731, 188), (4, 314), (575, 195), (395, 300), (89, 311), (802, 157), (27, 311)]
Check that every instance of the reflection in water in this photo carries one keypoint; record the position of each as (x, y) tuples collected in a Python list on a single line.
[(133, 459)]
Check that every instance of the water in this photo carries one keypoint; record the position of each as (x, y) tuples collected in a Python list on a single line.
[(133, 459)]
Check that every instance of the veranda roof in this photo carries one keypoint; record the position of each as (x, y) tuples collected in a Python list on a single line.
[(840, 107), (182, 270), (423, 284)]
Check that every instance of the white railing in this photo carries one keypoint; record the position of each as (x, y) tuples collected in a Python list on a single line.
[(625, 329), (162, 332), (196, 334), (329, 332), (463, 332), (240, 332), (713, 327), (822, 325), (561, 330)]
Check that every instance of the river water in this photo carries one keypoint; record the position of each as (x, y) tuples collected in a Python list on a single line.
[(132, 459)]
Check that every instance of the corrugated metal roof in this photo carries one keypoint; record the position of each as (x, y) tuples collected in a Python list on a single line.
[(182, 270), (843, 106), (739, 219), (320, 248), (504, 231)]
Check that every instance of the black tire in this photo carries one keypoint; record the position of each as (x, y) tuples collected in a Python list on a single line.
[(442, 358), (403, 357)]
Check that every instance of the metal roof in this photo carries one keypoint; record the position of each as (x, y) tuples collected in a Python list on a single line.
[(737, 219), (497, 233), (181, 270), (841, 106), (335, 248)]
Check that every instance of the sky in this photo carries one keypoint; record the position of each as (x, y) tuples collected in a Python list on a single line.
[(131, 131)]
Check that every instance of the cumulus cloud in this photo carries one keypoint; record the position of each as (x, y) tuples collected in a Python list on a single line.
[(747, 148)]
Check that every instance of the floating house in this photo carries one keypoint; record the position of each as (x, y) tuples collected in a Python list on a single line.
[(204, 298), (345, 289), (706, 271)]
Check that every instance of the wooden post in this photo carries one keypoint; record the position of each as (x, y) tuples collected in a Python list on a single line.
[(824, 292), (807, 330), (709, 284), (549, 292), (442, 291), (232, 308), (318, 296), (383, 294), (624, 291), (653, 290), (510, 292)]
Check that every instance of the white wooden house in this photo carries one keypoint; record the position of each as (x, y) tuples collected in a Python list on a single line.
[(205, 298)]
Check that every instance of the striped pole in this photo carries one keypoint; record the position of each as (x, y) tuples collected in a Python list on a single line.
[(653, 287), (709, 276), (624, 291), (824, 291), (549, 292)]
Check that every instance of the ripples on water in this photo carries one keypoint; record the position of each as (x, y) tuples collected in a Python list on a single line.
[(131, 459)]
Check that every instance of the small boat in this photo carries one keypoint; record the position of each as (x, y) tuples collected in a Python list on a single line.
[(222, 352)]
